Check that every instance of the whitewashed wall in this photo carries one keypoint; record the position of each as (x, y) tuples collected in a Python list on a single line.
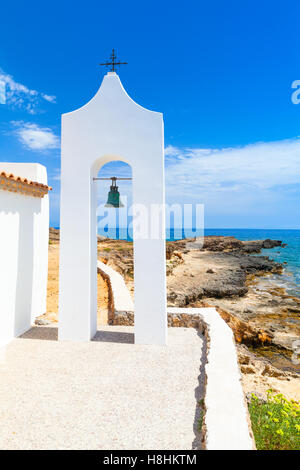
[(24, 238), (110, 127)]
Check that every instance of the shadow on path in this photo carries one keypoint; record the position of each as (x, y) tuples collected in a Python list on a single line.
[(51, 334), (41, 332), (114, 337)]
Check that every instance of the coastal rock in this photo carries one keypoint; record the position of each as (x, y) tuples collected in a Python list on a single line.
[(222, 273), (101, 238), (178, 246), (260, 396), (42, 322), (244, 332), (251, 363), (272, 243), (52, 317), (228, 275), (54, 235)]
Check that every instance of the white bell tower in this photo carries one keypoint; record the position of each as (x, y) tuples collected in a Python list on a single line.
[(110, 127)]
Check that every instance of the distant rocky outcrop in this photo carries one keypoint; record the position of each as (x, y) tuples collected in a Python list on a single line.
[(230, 244)]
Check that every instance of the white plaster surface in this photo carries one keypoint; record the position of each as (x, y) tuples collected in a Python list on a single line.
[(110, 127), (102, 394), (226, 413), (24, 235)]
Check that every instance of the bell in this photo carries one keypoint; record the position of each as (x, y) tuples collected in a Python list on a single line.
[(113, 199)]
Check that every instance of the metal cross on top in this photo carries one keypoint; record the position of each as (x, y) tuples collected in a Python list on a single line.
[(113, 62)]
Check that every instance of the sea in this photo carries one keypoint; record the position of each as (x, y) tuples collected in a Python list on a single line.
[(289, 254)]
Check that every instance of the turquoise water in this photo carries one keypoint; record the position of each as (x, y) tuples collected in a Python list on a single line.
[(289, 254)]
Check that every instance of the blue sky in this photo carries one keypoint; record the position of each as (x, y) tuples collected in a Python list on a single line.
[(221, 72)]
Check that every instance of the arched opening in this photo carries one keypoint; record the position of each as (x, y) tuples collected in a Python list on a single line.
[(114, 232)]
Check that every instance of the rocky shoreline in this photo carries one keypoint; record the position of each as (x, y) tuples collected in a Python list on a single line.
[(225, 274), (221, 271)]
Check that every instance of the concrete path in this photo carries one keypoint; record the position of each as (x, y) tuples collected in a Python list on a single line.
[(103, 394)]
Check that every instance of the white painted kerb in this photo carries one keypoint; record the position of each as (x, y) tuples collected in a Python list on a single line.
[(121, 295), (226, 416)]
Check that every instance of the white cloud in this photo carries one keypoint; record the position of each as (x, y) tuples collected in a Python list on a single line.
[(50, 98), (235, 180), (171, 151), (56, 174), (35, 137), (19, 96), (2, 92), (261, 165)]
